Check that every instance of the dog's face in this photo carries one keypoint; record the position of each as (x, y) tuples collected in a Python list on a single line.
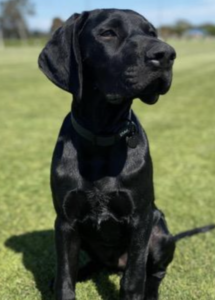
[(124, 56), (115, 51)]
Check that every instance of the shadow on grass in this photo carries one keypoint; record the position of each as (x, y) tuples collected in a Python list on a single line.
[(106, 289), (39, 258)]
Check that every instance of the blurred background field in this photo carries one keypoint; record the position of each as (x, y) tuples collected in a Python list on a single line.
[(181, 131)]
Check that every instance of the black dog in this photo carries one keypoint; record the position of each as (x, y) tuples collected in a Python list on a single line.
[(101, 175)]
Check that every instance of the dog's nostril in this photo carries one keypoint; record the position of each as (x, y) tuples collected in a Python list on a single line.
[(161, 59), (159, 56), (172, 56)]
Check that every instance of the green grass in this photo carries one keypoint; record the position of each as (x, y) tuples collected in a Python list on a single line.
[(181, 130)]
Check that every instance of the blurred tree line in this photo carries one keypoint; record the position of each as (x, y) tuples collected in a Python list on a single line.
[(13, 20), (182, 26), (14, 14)]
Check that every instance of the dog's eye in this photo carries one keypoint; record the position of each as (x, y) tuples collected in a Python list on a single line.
[(109, 33)]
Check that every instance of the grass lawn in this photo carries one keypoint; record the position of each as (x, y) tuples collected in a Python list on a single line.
[(181, 130)]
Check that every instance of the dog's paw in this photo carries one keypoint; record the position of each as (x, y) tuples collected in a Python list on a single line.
[(151, 297), (64, 294), (65, 297)]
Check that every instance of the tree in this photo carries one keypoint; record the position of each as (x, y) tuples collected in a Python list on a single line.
[(1, 33), (210, 28), (181, 26), (165, 31), (13, 18), (56, 23)]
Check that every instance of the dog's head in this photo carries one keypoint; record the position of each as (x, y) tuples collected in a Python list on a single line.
[(114, 51)]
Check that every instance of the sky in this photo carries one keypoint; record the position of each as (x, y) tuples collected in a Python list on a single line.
[(156, 11)]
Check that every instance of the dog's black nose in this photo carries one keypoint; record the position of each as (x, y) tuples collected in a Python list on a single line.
[(161, 56)]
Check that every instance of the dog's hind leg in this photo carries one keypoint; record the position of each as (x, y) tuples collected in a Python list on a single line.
[(161, 252)]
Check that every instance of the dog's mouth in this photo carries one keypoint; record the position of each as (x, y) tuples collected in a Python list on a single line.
[(151, 93), (114, 98), (147, 90)]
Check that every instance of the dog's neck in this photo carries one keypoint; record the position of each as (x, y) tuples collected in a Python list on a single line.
[(97, 115)]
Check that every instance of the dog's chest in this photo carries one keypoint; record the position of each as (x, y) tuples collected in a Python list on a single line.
[(98, 206)]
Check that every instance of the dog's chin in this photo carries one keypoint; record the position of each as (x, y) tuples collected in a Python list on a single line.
[(151, 94), (148, 94), (150, 99)]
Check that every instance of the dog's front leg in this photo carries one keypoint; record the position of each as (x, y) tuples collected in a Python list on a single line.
[(134, 277), (67, 248)]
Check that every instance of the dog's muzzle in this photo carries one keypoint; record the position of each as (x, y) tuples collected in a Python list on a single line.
[(161, 56)]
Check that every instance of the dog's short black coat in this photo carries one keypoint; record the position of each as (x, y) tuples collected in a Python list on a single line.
[(104, 195)]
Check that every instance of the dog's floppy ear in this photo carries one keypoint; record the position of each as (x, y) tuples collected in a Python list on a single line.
[(60, 60)]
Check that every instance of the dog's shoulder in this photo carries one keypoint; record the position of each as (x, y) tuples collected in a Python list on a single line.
[(65, 154)]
